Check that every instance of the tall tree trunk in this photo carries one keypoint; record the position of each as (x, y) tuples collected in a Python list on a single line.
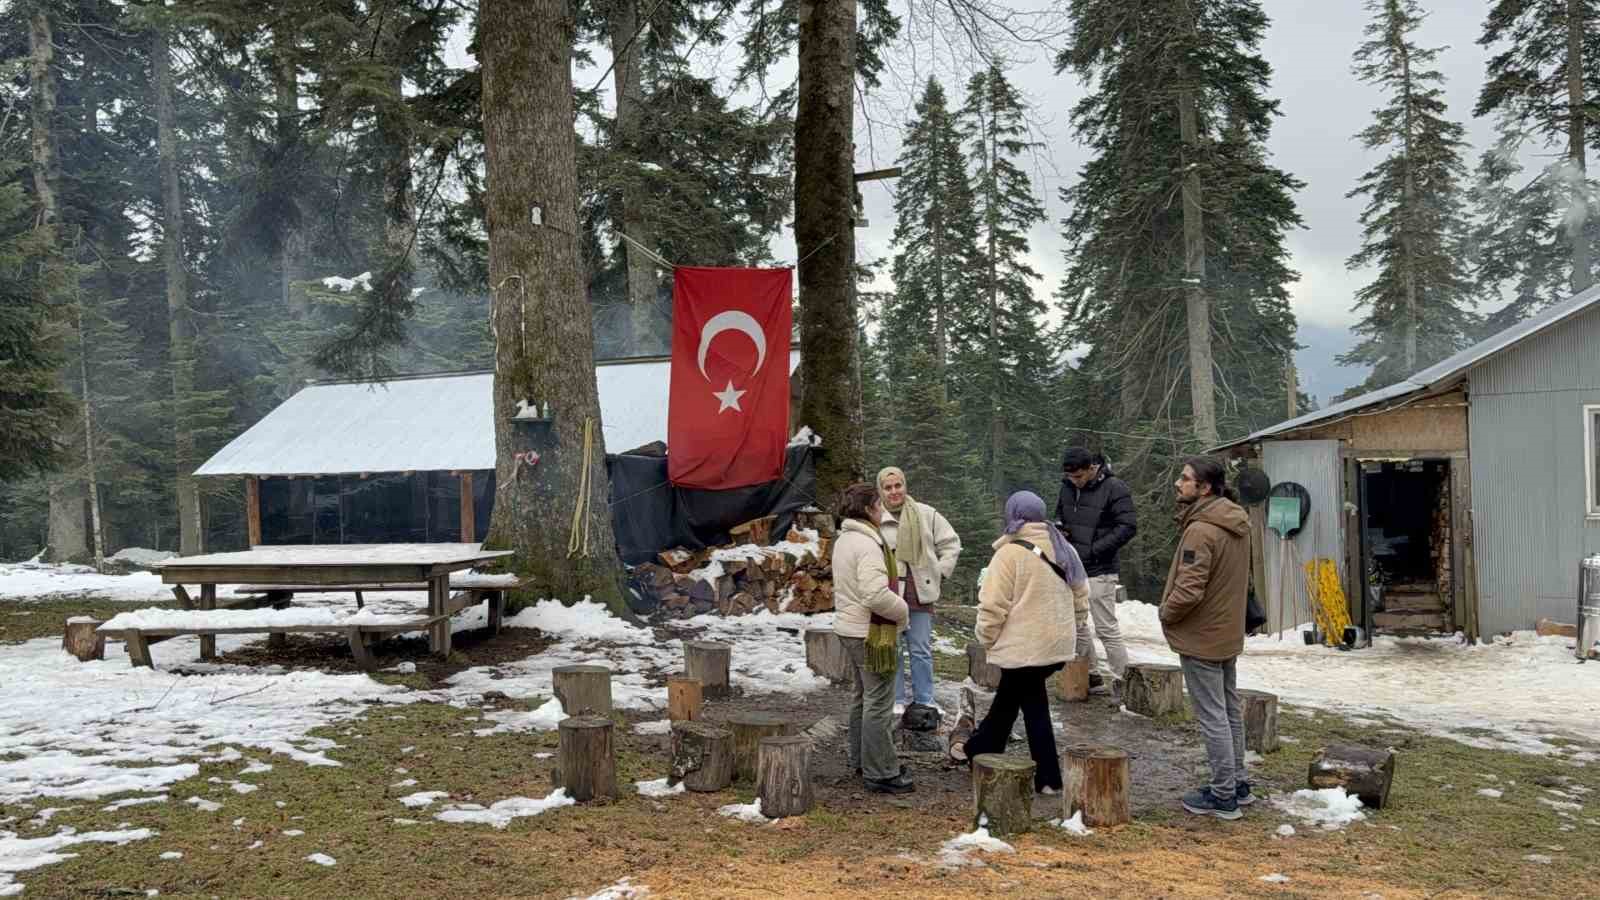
[(180, 330), (997, 427), (395, 135), (1202, 389), (1408, 202), (1582, 276), (824, 224), (628, 84), (98, 532), (542, 321), (67, 537), (286, 111)]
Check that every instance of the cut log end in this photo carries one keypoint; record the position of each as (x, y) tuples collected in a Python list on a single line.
[(1260, 721), (585, 764), (978, 668), (1154, 690), (583, 690), (1363, 772), (825, 655), (1072, 682), (1095, 782), (685, 699), (708, 661), (1002, 793), (748, 729), (783, 776), (82, 640), (702, 756)]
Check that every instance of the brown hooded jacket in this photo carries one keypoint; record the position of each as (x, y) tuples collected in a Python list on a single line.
[(1203, 605)]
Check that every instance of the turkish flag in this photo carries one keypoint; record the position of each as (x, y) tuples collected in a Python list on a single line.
[(728, 409)]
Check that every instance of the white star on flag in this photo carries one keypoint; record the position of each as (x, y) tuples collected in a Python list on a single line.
[(729, 398)]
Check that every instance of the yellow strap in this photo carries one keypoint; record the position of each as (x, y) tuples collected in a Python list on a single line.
[(577, 546)]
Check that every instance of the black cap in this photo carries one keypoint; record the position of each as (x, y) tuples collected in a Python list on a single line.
[(1076, 458)]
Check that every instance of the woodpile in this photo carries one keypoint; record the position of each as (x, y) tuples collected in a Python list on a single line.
[(747, 575)]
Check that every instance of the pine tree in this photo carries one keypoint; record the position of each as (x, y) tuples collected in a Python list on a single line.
[(1516, 243), (1546, 80), (1414, 231), (1011, 358)]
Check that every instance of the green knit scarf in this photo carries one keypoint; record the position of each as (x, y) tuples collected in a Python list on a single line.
[(910, 540), (882, 634)]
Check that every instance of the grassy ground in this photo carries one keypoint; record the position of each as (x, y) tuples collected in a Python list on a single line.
[(35, 619), (1437, 837)]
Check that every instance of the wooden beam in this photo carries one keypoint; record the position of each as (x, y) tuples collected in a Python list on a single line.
[(252, 509), (877, 174), (468, 513)]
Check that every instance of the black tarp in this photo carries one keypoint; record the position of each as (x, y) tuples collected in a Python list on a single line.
[(650, 515)]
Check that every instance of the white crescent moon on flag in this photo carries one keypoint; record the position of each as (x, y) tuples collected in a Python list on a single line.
[(732, 320)]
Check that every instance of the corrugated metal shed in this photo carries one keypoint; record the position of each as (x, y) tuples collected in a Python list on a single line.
[(426, 423), (1440, 374), (1530, 520), (1314, 465)]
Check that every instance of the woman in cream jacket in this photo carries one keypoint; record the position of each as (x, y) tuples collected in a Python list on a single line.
[(1026, 621)]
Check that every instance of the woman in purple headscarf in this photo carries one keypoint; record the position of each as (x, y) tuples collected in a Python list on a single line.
[(1027, 624)]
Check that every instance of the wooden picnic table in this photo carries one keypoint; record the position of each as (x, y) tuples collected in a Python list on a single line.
[(332, 567)]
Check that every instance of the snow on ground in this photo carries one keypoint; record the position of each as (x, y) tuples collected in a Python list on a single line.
[(658, 788), (624, 889), (140, 556), (22, 854), (502, 812), (744, 812), (28, 581), (1075, 825), (1330, 808), (959, 850), (1513, 694), (322, 859)]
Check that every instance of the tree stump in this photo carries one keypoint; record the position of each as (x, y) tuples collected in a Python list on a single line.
[(1072, 682), (1095, 781), (702, 756), (82, 640), (1361, 771), (582, 690), (783, 776), (708, 661), (1260, 720), (585, 764), (1154, 690), (1002, 793), (825, 656), (978, 668), (684, 698), (748, 729)]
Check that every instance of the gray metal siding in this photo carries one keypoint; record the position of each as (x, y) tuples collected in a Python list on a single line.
[(1529, 521), (1316, 466)]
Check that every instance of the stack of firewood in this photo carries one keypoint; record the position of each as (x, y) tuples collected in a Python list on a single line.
[(748, 574)]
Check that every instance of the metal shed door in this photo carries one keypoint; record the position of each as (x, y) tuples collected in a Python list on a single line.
[(1314, 465)]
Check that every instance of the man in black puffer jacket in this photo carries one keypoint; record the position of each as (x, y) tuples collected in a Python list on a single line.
[(1095, 512)]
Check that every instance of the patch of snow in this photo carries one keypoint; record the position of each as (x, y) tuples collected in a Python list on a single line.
[(1539, 858), (658, 788), (1275, 878), (543, 755), (152, 619), (1491, 793), (140, 556), (624, 889), (409, 782), (292, 832), (405, 668), (133, 801), (405, 821), (501, 813), (240, 787), (1561, 804), (24, 854), (1285, 830), (1330, 808), (172, 854), (958, 850), (1075, 825), (423, 798), (658, 726), (546, 717), (322, 859), (34, 581), (203, 804), (346, 285), (744, 812), (256, 767), (257, 845)]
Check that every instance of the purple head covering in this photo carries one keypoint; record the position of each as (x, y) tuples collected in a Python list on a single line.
[(1026, 506)]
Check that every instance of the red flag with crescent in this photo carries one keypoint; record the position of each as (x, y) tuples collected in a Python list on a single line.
[(728, 408)]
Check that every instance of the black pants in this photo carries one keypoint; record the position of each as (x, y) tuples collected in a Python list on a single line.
[(1024, 690)]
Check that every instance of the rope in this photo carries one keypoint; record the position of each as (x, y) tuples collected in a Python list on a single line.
[(654, 256), (814, 250), (580, 510)]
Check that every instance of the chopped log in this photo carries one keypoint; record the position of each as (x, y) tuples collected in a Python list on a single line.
[(1002, 793), (583, 690), (585, 764), (82, 640), (978, 668), (702, 756), (755, 531), (1154, 690), (1362, 771), (684, 698), (783, 776), (708, 661), (748, 728), (1072, 682), (815, 520), (825, 656), (1552, 628), (1260, 720), (1095, 782)]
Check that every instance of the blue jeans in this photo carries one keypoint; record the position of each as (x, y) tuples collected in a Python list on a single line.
[(917, 642)]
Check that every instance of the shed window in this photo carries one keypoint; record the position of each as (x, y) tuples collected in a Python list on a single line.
[(1591, 456)]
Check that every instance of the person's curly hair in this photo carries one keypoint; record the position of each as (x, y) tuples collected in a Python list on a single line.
[(857, 500)]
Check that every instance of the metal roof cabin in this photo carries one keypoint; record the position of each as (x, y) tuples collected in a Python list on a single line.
[(1461, 498), (410, 459)]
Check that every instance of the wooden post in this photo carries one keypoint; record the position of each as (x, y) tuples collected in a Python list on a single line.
[(496, 600), (702, 756), (138, 649), (1260, 720), (582, 690), (468, 514), (684, 698), (978, 668), (1002, 793), (252, 509), (1154, 690), (708, 661), (825, 656), (585, 763), (438, 600), (748, 728), (359, 651), (82, 640), (208, 642), (181, 593), (1362, 771), (1072, 682), (783, 776), (1095, 781)]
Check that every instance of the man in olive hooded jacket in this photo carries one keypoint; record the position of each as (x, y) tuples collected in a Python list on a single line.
[(1202, 615)]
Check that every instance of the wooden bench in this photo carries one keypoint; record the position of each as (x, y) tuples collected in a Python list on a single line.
[(138, 640), (474, 589)]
